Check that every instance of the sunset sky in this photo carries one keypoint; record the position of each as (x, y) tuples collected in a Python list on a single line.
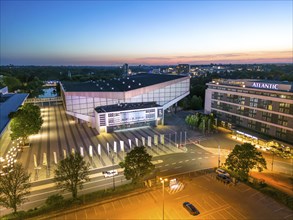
[(145, 32)]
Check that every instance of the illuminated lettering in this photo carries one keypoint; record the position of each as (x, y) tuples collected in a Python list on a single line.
[(265, 85)]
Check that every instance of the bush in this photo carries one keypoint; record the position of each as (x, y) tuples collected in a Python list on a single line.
[(55, 200)]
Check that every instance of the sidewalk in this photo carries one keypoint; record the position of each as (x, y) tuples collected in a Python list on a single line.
[(277, 180)]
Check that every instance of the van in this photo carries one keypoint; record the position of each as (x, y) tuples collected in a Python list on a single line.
[(221, 171)]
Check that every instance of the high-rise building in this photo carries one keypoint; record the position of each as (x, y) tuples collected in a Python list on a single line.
[(125, 69), (183, 68), (258, 105)]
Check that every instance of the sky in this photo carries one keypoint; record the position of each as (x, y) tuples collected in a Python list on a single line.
[(145, 32)]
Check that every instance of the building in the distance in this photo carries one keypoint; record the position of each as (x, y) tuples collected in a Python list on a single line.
[(257, 105), (125, 69), (9, 102), (183, 68), (132, 101)]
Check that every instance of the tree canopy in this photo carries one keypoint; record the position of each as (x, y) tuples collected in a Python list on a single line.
[(14, 186), (206, 123), (243, 158), (137, 164), (26, 121), (71, 173)]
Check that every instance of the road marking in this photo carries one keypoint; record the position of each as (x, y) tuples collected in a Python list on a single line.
[(199, 158), (181, 197), (180, 161), (206, 157), (177, 167), (166, 165), (186, 160), (164, 170), (173, 163), (278, 209), (193, 158)]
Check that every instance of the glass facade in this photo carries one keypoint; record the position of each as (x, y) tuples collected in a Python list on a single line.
[(85, 105)]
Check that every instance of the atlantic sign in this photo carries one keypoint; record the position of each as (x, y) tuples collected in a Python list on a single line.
[(265, 85)]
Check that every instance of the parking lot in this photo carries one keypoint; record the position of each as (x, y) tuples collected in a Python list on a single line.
[(212, 198)]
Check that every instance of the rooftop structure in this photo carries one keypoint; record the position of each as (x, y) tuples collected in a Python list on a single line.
[(118, 84), (126, 106), (9, 102)]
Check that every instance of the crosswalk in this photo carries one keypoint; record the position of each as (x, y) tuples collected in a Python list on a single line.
[(175, 188)]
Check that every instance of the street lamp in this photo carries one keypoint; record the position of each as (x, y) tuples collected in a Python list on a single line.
[(163, 182), (219, 156), (112, 158)]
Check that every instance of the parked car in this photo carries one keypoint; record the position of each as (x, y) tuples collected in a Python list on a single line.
[(110, 173), (190, 208), (223, 178), (221, 171)]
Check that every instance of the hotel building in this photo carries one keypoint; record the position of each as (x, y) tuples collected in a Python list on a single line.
[(134, 101), (261, 106)]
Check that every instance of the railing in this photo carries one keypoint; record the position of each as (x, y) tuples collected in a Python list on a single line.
[(42, 100)]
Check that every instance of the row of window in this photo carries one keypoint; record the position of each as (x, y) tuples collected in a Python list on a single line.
[(271, 93)]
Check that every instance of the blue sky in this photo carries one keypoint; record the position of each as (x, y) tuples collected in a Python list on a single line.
[(145, 32)]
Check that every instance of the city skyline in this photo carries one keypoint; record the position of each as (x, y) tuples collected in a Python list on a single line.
[(150, 33)]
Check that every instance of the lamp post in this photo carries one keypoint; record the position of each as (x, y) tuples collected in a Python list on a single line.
[(273, 160), (219, 156), (163, 185), (112, 158)]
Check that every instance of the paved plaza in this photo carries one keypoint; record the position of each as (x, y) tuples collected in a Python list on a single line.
[(61, 134)]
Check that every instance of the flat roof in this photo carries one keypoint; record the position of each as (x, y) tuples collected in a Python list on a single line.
[(126, 107), (9, 102), (119, 84)]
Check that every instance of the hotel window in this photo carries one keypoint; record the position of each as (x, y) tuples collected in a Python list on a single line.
[(253, 102), (281, 133), (266, 116), (264, 128), (252, 113)]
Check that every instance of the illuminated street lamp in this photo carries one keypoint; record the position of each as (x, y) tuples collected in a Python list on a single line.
[(112, 158), (163, 185)]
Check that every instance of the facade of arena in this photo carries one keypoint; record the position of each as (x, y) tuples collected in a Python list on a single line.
[(261, 106), (131, 99)]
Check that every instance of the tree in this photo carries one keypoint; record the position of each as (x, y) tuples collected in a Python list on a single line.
[(196, 102), (26, 121), (243, 158), (137, 164), (71, 173), (14, 186)]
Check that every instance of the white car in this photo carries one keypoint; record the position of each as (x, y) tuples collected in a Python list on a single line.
[(110, 173), (221, 171)]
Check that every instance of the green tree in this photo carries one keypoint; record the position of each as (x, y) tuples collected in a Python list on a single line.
[(196, 103), (26, 121), (71, 173), (243, 158), (14, 186), (12, 82), (137, 164)]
